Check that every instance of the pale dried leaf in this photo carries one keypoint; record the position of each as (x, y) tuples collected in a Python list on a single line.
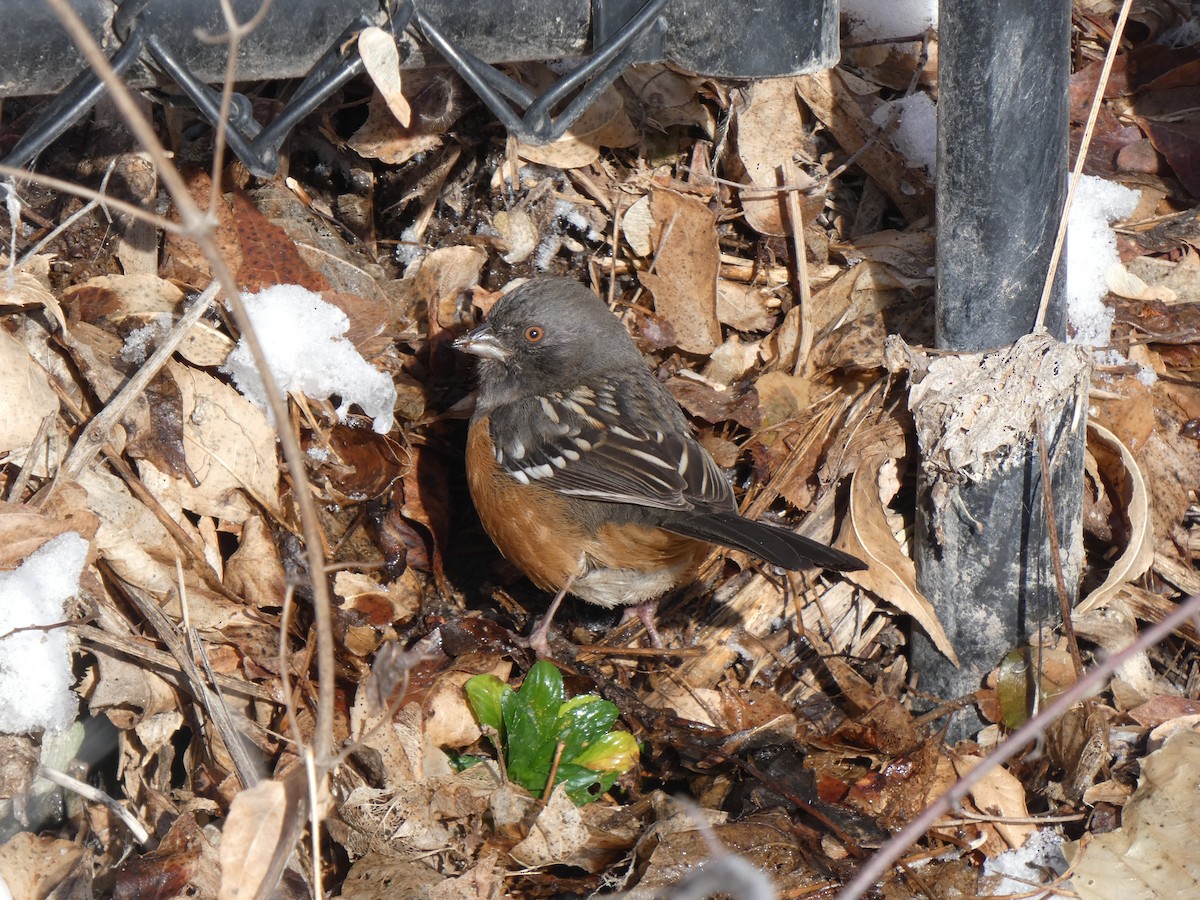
[(1138, 554), (1000, 794), (443, 277), (556, 835), (1152, 855), (26, 397), (771, 134), (731, 361), (230, 450), (636, 225), (518, 231), (25, 290), (381, 59), (382, 138), (31, 866), (1124, 283), (890, 575), (254, 829), (684, 282), (670, 97), (745, 306)]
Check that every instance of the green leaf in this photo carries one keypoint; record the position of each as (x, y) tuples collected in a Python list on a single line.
[(615, 752), (582, 721), (485, 693), (543, 687), (531, 720), (463, 761), (583, 785)]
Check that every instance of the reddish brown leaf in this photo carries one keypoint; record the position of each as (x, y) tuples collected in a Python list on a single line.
[(268, 255)]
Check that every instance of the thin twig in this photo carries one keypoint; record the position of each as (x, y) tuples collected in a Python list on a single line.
[(87, 792), (803, 291), (1060, 238), (197, 225), (95, 435), (911, 833)]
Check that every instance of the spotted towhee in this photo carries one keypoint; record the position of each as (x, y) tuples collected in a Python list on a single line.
[(583, 468)]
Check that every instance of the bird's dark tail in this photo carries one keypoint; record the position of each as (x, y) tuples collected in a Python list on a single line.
[(769, 542)]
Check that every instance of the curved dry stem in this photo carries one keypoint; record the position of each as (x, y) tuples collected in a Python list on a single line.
[(196, 224), (1036, 726)]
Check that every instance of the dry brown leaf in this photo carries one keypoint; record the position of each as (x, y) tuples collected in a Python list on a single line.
[(254, 833), (23, 289), (745, 307), (891, 575), (730, 361), (604, 124), (670, 97), (772, 133), (142, 552), (1124, 473), (127, 693), (381, 59), (231, 452), (26, 398), (255, 570), (684, 282), (555, 836), (1152, 854), (449, 721), (381, 137), (268, 255), (32, 866), (637, 223), (519, 233), (443, 277), (377, 876), (1000, 794)]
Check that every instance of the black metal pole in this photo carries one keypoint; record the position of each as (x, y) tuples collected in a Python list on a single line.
[(1001, 182)]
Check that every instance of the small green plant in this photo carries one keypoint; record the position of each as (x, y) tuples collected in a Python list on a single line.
[(528, 725)]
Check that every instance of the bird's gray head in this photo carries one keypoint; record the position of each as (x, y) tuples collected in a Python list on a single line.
[(545, 335)]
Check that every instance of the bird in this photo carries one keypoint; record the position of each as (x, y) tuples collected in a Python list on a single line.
[(584, 470)]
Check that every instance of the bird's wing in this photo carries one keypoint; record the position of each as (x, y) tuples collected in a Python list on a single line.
[(616, 440)]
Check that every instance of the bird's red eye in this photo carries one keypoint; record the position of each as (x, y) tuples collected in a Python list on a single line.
[(534, 333)]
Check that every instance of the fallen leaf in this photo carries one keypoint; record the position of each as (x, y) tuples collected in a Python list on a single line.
[(1123, 474), (890, 575), (684, 281), (26, 399), (771, 134), (256, 832), (381, 59)]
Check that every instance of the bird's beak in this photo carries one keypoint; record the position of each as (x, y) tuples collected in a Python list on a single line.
[(482, 342)]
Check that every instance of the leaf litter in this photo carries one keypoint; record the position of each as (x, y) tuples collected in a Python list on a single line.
[(783, 705)]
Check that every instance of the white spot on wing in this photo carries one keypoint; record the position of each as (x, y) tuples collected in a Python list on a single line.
[(517, 449), (520, 475), (549, 409), (650, 458)]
